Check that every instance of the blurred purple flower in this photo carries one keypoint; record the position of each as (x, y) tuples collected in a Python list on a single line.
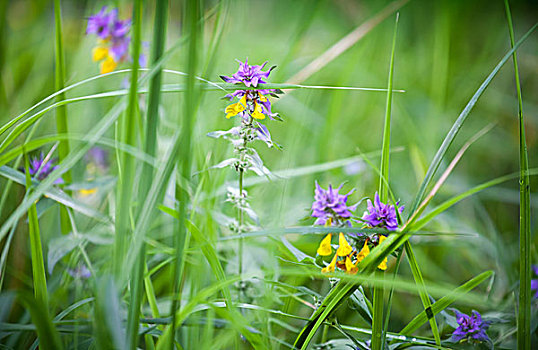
[(534, 282), (329, 204), (470, 327), (248, 75), (102, 23), (39, 168), (98, 157), (381, 215), (80, 271)]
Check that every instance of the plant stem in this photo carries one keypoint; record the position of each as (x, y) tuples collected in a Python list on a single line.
[(61, 111), (524, 312)]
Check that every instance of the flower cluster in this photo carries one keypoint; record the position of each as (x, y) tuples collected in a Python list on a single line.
[(253, 104), (40, 168), (113, 39), (346, 258), (471, 328), (330, 206), (381, 215)]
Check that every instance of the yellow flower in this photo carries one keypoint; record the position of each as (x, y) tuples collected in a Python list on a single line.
[(324, 248), (350, 267), (108, 65), (330, 267), (383, 265), (262, 97), (233, 109), (257, 114), (344, 247), (364, 252), (84, 192), (99, 53)]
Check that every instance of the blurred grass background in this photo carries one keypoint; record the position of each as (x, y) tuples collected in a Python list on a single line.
[(444, 50)]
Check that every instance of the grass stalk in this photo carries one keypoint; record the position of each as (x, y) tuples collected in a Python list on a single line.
[(61, 111), (38, 266), (126, 188), (379, 291), (185, 156), (525, 297)]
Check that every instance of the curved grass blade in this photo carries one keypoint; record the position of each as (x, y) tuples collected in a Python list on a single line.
[(443, 303), (525, 296), (432, 169)]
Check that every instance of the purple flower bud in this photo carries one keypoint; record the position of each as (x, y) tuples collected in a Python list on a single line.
[(470, 328), (329, 204), (381, 215), (40, 169)]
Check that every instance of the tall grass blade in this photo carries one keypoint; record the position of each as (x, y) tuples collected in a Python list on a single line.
[(378, 339), (443, 303), (192, 11), (61, 111), (49, 338), (525, 296), (126, 187), (38, 265), (424, 297)]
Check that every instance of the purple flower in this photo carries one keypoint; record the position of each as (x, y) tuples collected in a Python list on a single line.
[(98, 157), (119, 48), (39, 169), (248, 75), (534, 282), (101, 23), (80, 271), (329, 204), (381, 215), (470, 327)]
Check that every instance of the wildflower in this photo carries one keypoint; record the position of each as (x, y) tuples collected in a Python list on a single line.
[(80, 271), (252, 103), (471, 328), (40, 168), (534, 282), (97, 159), (249, 75), (113, 39), (346, 258), (381, 215), (329, 204)]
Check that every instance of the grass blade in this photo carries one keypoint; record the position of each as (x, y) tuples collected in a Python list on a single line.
[(49, 338), (449, 138), (378, 338), (61, 111), (443, 303), (525, 296), (38, 266)]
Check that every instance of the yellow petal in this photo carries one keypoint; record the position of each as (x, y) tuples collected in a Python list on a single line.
[(364, 252), (344, 247), (235, 108), (330, 267), (325, 246), (85, 192), (262, 97), (99, 53), (383, 265), (257, 114), (108, 65), (350, 267)]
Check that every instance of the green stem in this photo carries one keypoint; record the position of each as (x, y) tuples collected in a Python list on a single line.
[(61, 111), (184, 162), (240, 223), (525, 298), (38, 267)]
